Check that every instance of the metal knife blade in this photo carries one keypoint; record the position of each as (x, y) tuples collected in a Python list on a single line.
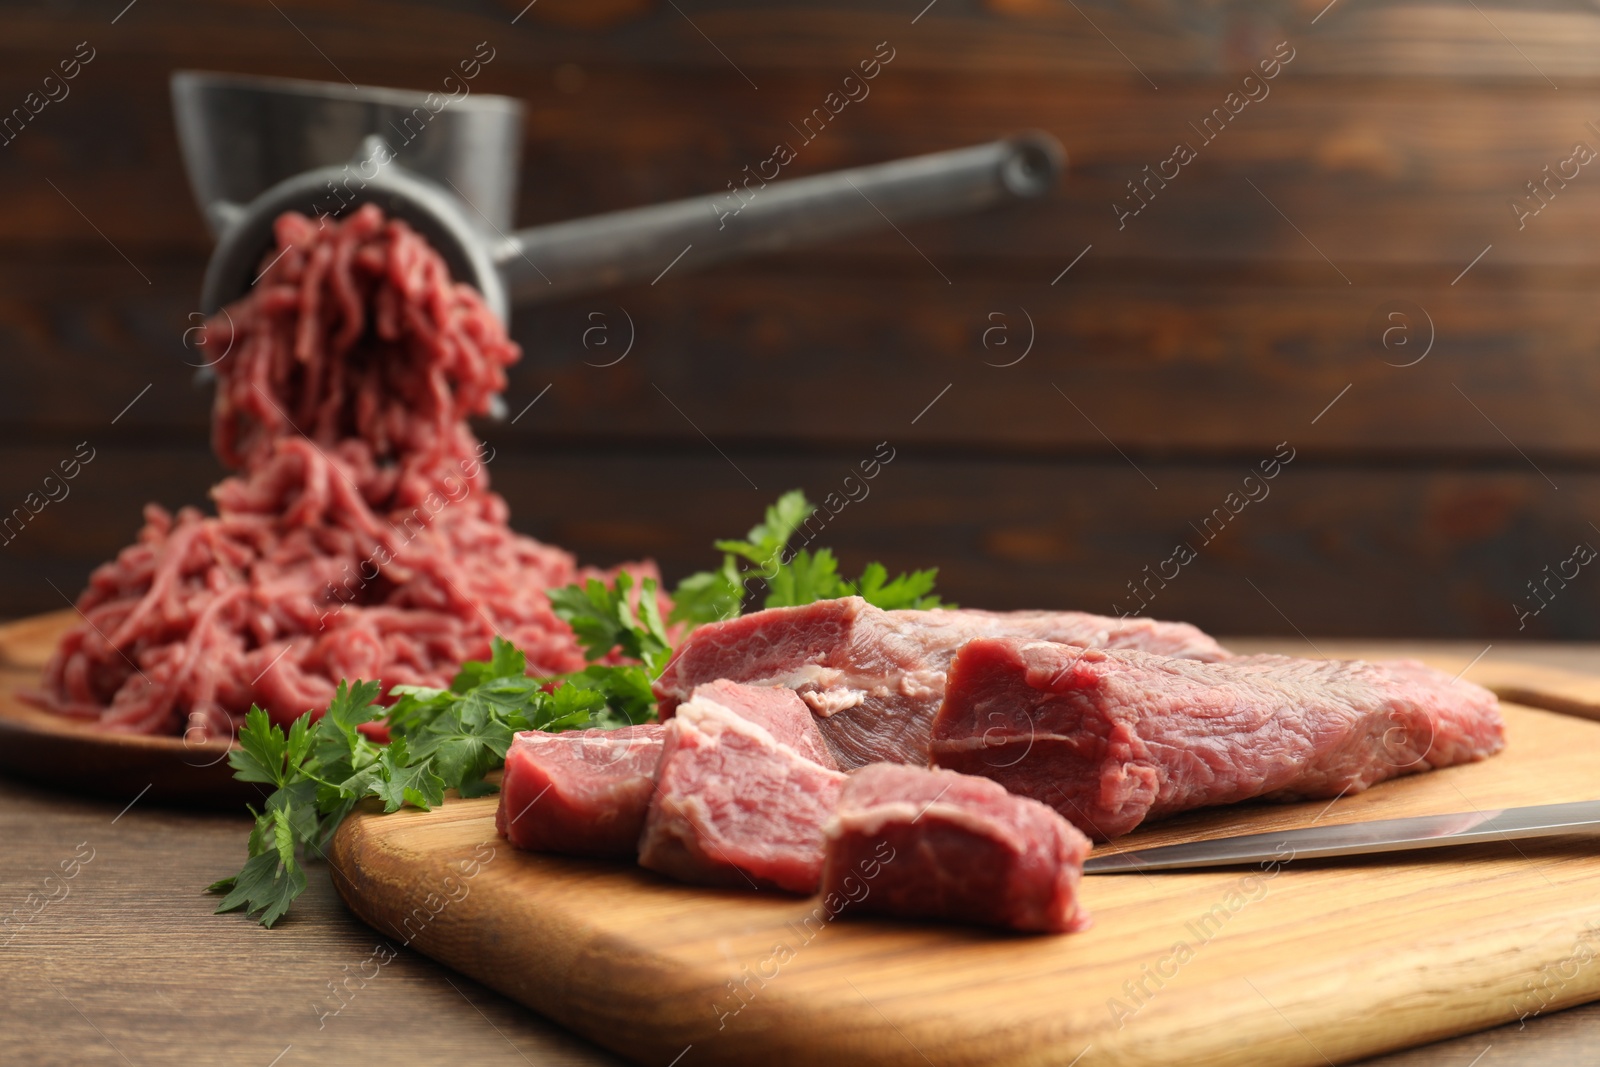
[(1358, 839)]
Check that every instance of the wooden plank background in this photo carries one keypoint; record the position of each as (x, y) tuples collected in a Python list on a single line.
[(1165, 365)]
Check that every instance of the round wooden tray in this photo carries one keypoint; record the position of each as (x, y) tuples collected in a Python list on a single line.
[(55, 751)]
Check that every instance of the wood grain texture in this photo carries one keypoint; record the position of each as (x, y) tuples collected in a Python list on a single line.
[(1377, 173), (128, 965), (1315, 963), (1412, 39), (1165, 365), (27, 644)]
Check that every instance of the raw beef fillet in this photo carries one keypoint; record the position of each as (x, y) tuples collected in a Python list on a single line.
[(935, 844), (874, 677), (580, 793), (736, 806), (1112, 738)]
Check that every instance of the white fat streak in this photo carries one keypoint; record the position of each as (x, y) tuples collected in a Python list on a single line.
[(829, 690), (1087, 653), (826, 690), (870, 821), (712, 718), (604, 740)]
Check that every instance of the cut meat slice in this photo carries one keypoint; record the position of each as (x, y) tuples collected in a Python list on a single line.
[(735, 806), (586, 792), (778, 710), (1112, 738), (875, 678), (581, 793), (935, 844)]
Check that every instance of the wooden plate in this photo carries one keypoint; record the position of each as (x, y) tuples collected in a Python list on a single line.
[(52, 750)]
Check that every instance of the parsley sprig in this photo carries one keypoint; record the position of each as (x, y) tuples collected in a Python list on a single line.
[(439, 739), (792, 578), (605, 620)]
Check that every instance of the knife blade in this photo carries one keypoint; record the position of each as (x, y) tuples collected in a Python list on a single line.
[(1358, 838)]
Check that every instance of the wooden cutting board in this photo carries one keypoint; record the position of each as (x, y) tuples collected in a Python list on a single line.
[(1308, 964)]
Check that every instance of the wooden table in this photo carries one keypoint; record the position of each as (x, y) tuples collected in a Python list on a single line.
[(130, 967)]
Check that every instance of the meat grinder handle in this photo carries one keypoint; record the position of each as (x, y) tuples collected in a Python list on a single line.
[(642, 244)]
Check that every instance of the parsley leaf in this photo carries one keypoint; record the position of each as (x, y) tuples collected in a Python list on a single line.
[(271, 878), (792, 578), (439, 739), (914, 590), (259, 757), (604, 619), (400, 781), (709, 596), (469, 738), (769, 537), (805, 579), (506, 661), (625, 691)]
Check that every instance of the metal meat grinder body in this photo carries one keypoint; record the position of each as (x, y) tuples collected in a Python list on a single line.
[(257, 147)]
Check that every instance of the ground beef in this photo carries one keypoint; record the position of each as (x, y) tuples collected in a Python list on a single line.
[(358, 537)]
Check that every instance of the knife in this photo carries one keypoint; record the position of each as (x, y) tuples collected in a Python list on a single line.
[(1358, 839)]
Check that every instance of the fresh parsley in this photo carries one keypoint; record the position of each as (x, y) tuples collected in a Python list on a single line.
[(439, 739), (713, 595), (791, 578), (605, 620)]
